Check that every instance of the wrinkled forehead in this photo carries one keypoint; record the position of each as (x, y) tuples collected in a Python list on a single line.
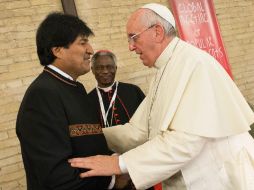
[(134, 23), (104, 60)]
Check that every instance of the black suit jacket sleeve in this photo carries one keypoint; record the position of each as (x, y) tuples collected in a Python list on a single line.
[(42, 127)]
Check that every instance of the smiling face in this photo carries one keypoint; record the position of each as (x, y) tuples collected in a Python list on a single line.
[(104, 70), (74, 60)]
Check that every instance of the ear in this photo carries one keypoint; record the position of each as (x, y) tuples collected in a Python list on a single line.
[(160, 32), (56, 51)]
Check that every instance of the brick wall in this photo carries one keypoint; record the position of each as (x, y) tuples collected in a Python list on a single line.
[(236, 19), (19, 64)]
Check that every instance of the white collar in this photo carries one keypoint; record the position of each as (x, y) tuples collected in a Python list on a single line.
[(166, 54), (106, 89), (60, 72)]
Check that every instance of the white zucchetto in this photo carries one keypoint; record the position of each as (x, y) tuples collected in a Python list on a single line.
[(161, 10)]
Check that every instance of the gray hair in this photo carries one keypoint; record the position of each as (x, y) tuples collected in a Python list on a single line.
[(103, 53), (150, 18)]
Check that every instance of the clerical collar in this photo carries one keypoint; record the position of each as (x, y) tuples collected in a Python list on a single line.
[(107, 89), (60, 72), (166, 54)]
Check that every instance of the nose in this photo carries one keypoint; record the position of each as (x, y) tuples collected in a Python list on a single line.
[(104, 70), (131, 47), (89, 49)]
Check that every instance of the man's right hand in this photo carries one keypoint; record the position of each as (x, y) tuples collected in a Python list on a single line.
[(100, 165)]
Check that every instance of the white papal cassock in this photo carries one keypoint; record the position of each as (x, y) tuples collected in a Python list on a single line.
[(195, 121)]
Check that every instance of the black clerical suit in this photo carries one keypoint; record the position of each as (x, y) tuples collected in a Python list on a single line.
[(127, 100), (55, 123)]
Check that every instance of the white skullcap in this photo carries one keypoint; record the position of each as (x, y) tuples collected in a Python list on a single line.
[(161, 10)]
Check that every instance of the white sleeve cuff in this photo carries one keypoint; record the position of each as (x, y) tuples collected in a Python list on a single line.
[(112, 183), (122, 165)]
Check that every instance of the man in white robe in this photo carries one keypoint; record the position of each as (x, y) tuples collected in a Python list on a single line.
[(194, 121)]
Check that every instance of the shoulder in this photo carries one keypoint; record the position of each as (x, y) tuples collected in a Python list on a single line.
[(92, 96), (40, 84), (189, 57), (131, 89), (191, 52), (92, 92), (43, 89), (128, 86)]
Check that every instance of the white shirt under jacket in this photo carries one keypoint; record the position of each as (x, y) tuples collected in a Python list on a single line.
[(193, 120)]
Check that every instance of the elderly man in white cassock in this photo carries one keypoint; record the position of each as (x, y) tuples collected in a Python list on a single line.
[(191, 131)]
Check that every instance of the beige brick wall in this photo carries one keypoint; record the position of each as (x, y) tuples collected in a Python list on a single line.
[(19, 64)]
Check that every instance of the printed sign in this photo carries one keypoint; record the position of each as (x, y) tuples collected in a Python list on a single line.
[(197, 24)]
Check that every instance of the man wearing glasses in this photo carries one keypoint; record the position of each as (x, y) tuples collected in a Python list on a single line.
[(191, 131)]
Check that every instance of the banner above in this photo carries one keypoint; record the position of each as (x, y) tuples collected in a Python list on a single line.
[(197, 24)]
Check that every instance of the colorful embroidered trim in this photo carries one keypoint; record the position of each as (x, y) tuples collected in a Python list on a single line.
[(84, 129)]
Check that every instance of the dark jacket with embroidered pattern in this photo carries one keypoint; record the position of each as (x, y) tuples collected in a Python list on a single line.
[(55, 122)]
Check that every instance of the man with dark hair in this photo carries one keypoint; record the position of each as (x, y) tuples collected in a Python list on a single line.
[(115, 101), (55, 121)]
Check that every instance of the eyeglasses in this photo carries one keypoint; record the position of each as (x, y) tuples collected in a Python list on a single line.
[(134, 37)]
